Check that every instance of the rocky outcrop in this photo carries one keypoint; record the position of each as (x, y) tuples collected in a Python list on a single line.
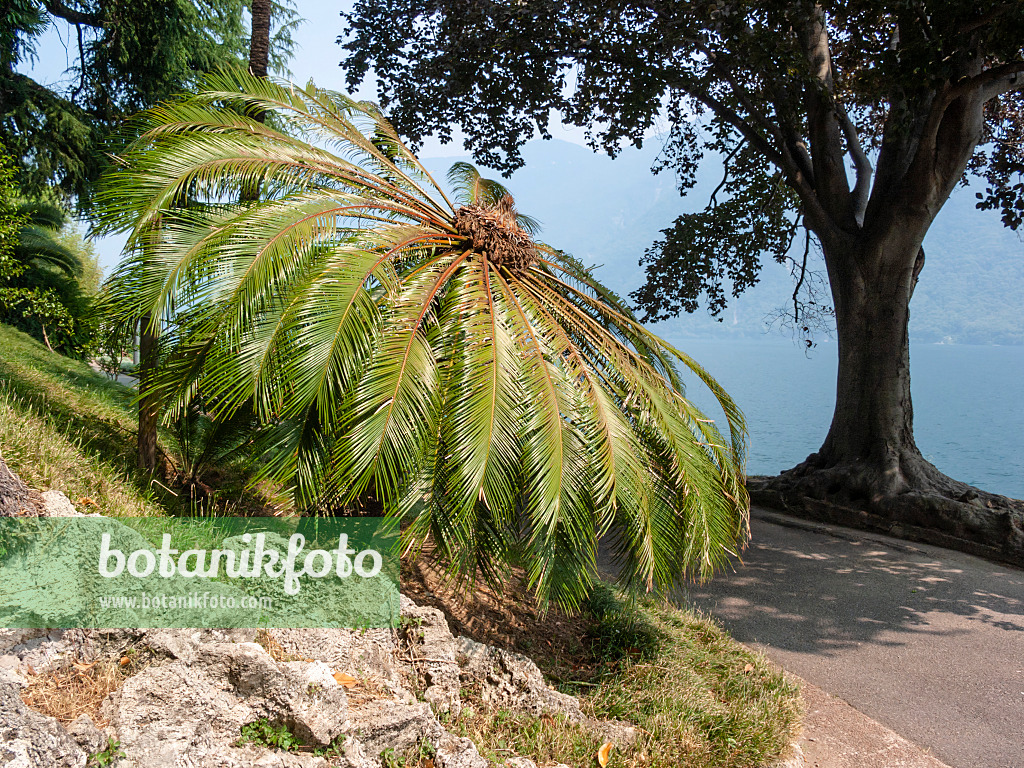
[(430, 649), (511, 681), (31, 740), (191, 710), (189, 707), (204, 687)]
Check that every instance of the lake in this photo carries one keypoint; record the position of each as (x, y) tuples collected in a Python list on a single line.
[(968, 409)]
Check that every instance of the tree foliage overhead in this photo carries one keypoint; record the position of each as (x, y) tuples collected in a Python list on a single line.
[(799, 96), (424, 350), (126, 55)]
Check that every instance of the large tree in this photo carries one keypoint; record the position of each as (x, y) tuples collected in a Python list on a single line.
[(851, 120)]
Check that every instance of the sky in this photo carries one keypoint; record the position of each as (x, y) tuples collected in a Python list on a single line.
[(317, 56)]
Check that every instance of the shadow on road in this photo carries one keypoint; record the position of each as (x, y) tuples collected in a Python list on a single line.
[(804, 592)]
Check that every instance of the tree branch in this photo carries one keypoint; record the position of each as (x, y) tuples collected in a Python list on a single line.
[(791, 141), (830, 179), (71, 15), (81, 59), (861, 164), (1011, 81), (984, 21), (803, 274), (782, 159), (725, 175), (992, 82)]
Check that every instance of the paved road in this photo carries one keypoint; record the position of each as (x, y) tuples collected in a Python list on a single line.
[(927, 641)]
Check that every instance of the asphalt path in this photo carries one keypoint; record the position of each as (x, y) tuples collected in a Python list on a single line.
[(926, 641)]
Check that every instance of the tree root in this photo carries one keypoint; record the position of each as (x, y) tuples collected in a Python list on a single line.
[(909, 500)]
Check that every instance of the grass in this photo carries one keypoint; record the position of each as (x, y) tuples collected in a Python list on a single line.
[(704, 700), (65, 427), (697, 698)]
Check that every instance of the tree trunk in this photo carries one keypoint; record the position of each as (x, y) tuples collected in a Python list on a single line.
[(149, 403), (259, 43), (869, 472)]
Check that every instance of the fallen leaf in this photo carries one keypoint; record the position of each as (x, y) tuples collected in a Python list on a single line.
[(749, 668), (85, 501), (346, 680), (124, 661), (603, 752)]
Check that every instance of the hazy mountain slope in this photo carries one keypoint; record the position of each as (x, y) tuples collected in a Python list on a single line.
[(607, 212)]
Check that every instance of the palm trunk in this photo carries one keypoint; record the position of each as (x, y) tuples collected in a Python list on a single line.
[(259, 43)]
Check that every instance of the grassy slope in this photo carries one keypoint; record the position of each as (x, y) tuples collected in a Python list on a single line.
[(64, 426), (698, 698)]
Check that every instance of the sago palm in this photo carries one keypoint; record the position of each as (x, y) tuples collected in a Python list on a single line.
[(421, 350)]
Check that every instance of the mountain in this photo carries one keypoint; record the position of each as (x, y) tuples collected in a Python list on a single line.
[(608, 212)]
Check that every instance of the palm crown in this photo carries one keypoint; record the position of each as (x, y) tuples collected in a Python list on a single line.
[(422, 349)]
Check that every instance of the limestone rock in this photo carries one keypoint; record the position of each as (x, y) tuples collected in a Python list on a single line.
[(616, 731), (433, 649), (368, 654), (383, 724), (34, 651), (184, 644), (56, 504), (191, 712), (189, 706), (29, 739), (85, 733), (458, 752), (512, 681)]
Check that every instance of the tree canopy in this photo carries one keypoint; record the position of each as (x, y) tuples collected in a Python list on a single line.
[(48, 274), (127, 55)]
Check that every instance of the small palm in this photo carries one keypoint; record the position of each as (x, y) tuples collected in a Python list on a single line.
[(429, 353)]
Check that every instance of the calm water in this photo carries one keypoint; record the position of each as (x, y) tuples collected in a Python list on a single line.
[(968, 409)]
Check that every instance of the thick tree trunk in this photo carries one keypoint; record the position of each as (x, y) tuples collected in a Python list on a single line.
[(869, 472), (149, 404)]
